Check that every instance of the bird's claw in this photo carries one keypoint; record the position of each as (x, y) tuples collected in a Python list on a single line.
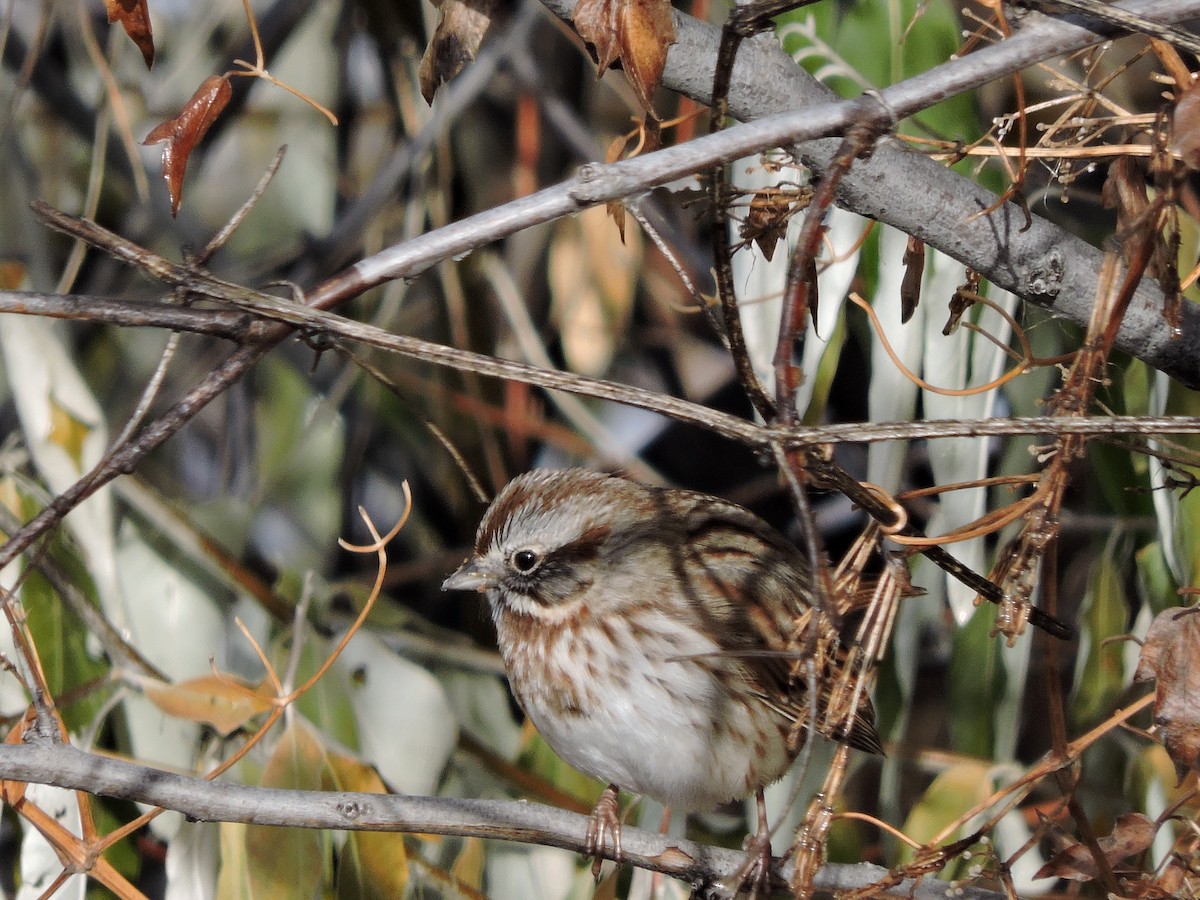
[(606, 820)]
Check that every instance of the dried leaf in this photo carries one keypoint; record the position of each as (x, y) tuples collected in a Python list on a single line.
[(186, 130), (766, 221), (616, 208), (1171, 656), (1132, 834), (965, 296), (12, 273), (910, 284), (134, 17), (68, 431), (1185, 128), (593, 275), (370, 863), (1177, 880), (217, 701), (637, 32), (460, 30)]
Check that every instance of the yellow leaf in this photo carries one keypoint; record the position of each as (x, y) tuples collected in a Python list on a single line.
[(468, 867), (220, 702), (951, 794), (233, 881), (371, 863), (593, 278), (285, 863), (68, 432), (12, 274)]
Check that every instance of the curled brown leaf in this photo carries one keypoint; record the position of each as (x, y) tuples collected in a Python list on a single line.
[(1132, 834), (460, 30), (637, 32), (134, 17), (766, 221), (1171, 656), (910, 284), (185, 131)]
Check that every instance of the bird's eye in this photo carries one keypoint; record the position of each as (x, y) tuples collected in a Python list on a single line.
[(525, 561)]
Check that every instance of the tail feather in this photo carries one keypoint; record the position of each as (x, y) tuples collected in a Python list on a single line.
[(862, 734)]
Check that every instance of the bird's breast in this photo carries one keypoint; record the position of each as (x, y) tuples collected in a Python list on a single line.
[(644, 701)]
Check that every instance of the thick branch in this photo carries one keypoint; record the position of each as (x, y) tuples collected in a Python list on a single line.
[(1043, 264), (65, 766)]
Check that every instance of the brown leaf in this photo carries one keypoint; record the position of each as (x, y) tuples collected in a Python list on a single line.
[(616, 208), (910, 284), (964, 297), (185, 131), (1171, 656), (218, 701), (1132, 834), (766, 221), (12, 273), (460, 31), (134, 17), (637, 32)]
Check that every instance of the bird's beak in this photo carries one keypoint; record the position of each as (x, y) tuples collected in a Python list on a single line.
[(470, 576)]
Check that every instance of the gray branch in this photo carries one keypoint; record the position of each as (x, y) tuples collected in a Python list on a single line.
[(1044, 264), (65, 766), (901, 187)]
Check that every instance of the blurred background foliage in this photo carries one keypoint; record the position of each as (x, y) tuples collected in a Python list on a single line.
[(237, 517)]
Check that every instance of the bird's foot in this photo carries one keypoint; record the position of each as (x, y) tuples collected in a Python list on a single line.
[(606, 821), (754, 875)]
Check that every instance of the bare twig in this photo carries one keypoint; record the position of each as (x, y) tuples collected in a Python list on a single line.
[(65, 766), (252, 327)]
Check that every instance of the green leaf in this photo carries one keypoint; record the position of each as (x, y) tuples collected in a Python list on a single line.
[(1158, 588), (976, 685), (121, 856), (1100, 673), (826, 371), (285, 863), (952, 794), (62, 642), (327, 704), (883, 43), (1188, 535), (301, 453)]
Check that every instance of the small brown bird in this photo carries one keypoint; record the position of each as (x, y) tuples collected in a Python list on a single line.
[(650, 634)]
